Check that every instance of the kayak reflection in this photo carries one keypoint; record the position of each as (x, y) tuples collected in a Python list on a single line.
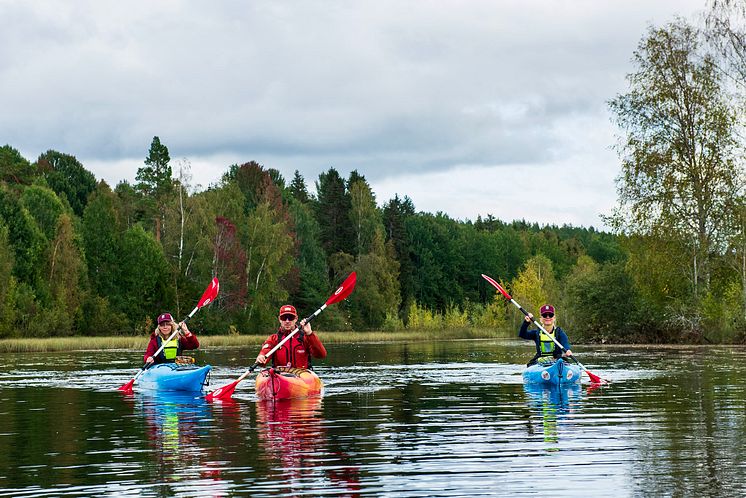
[(293, 435), (178, 429), (551, 404)]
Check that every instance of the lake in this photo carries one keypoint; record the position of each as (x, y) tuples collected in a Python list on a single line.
[(417, 419)]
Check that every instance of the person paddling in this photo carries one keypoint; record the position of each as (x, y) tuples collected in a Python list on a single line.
[(296, 352), (546, 349), (184, 340)]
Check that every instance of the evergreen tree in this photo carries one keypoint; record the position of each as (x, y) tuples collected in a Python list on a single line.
[(276, 178), (155, 183), (313, 272), (27, 240), (395, 215), (333, 213), (355, 177), (298, 188)]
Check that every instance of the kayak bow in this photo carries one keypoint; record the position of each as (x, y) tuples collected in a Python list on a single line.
[(552, 374), (173, 377), (287, 383)]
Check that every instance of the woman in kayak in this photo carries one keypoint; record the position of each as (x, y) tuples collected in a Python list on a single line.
[(546, 349), (299, 349), (183, 340)]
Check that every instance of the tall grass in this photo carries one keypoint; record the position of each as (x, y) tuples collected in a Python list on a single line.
[(138, 343)]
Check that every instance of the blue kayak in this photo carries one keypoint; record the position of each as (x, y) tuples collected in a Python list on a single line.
[(554, 374), (173, 377)]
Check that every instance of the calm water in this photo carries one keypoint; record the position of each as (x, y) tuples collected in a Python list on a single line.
[(421, 419)]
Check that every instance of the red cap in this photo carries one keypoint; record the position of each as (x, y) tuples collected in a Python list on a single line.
[(165, 317), (547, 308), (288, 309)]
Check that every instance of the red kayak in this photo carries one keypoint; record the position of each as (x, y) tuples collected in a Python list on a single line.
[(287, 383)]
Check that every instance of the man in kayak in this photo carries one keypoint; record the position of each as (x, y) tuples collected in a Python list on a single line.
[(299, 349), (546, 349), (183, 340)]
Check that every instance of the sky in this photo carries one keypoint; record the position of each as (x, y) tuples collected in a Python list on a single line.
[(468, 107)]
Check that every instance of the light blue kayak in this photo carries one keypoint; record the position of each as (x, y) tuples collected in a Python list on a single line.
[(173, 377), (552, 374)]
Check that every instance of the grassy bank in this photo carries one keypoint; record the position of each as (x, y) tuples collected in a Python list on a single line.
[(222, 341)]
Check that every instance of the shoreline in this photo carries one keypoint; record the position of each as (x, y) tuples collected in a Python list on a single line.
[(136, 343), (82, 343)]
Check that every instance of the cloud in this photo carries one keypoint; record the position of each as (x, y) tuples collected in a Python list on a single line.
[(395, 89)]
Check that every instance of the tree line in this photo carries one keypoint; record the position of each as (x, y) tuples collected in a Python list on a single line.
[(78, 257)]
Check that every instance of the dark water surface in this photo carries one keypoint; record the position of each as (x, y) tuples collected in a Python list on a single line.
[(420, 419)]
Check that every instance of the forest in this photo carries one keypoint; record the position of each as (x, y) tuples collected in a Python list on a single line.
[(79, 257)]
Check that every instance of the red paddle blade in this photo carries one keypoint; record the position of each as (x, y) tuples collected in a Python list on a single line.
[(222, 393), (210, 293), (595, 379), (127, 388), (497, 286), (344, 290)]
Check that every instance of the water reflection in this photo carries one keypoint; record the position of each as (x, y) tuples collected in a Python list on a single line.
[(294, 439), (551, 404), (178, 432)]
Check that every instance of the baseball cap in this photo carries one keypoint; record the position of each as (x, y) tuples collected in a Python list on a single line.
[(288, 309), (547, 308)]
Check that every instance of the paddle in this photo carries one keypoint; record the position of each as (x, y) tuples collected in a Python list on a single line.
[(207, 297), (594, 378), (342, 292)]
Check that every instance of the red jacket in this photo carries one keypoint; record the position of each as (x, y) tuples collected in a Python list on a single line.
[(296, 352), (190, 342)]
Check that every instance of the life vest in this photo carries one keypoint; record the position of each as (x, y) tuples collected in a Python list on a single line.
[(546, 344), (546, 350), (170, 351), (293, 353)]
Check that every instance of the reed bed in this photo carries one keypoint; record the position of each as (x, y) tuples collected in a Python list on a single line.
[(221, 341)]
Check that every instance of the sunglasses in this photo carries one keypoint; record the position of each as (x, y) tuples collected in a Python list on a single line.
[(287, 318), (547, 315)]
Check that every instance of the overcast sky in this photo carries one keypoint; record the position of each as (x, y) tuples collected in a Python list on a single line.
[(468, 107)]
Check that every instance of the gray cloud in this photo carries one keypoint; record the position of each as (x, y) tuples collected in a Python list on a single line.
[(386, 87)]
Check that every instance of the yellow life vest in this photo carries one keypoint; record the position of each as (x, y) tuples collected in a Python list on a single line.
[(546, 344), (170, 351)]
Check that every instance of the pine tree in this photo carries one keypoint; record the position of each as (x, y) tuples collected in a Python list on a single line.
[(155, 182), (333, 213), (298, 188)]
